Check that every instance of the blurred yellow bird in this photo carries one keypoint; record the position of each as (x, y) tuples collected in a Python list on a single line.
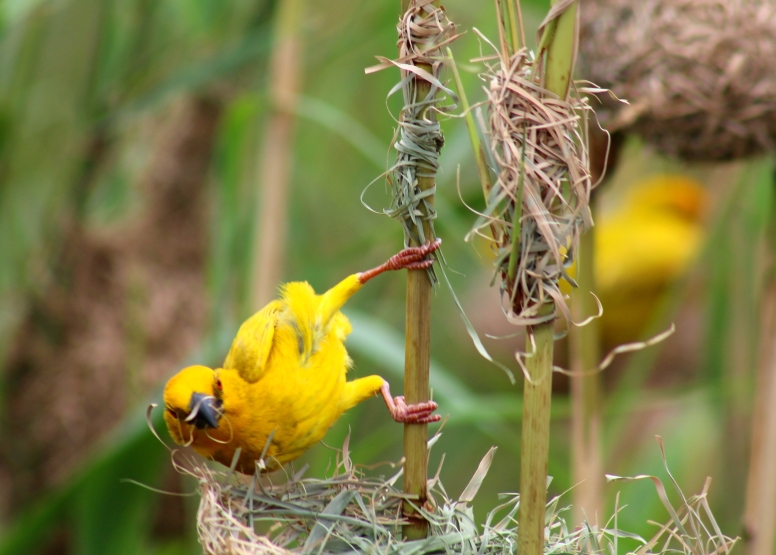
[(283, 383), (642, 247)]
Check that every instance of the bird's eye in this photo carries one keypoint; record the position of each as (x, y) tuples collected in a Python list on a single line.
[(218, 384), (172, 412)]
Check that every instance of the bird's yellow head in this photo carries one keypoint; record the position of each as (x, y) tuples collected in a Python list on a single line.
[(193, 399), (676, 193)]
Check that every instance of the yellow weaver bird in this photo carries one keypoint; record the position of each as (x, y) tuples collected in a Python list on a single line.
[(283, 383)]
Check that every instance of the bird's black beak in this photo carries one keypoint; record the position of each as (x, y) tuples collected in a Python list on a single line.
[(205, 411)]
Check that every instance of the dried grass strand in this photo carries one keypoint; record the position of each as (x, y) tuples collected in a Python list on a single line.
[(539, 147)]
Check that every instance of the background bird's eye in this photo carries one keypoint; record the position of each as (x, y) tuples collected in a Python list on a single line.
[(218, 384)]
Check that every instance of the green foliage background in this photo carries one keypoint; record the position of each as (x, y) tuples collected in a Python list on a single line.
[(73, 69)]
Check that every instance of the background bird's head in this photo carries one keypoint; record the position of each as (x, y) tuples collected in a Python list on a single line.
[(680, 195), (193, 399)]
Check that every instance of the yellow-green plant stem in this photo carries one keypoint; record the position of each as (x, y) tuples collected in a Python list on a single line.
[(416, 390), (559, 41), (516, 34), (479, 153), (417, 358), (558, 50), (759, 519), (584, 343), (537, 394), (275, 158)]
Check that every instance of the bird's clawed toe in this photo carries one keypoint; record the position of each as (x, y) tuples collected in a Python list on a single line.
[(418, 413), (412, 258), (419, 265)]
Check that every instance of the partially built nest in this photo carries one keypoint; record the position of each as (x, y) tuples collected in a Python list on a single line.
[(346, 513), (699, 74), (350, 512)]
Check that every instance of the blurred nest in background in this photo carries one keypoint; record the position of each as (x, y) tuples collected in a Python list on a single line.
[(698, 73)]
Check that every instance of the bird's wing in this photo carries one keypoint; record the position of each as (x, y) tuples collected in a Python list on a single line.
[(253, 344)]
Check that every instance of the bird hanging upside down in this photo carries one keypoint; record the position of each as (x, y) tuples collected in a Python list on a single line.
[(284, 377)]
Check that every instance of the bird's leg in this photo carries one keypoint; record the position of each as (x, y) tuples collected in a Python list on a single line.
[(412, 258), (419, 413)]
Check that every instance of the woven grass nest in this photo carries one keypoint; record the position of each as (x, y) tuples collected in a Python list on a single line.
[(698, 74), (350, 512)]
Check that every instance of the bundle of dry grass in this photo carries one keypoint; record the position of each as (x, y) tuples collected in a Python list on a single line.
[(538, 206), (698, 73), (348, 512)]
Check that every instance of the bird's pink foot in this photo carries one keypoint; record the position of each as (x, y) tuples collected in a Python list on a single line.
[(418, 413), (412, 258)]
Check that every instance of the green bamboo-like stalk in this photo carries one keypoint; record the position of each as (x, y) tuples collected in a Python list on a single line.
[(479, 152), (558, 48), (759, 519), (585, 356), (275, 159), (417, 355), (416, 390), (535, 446), (559, 43), (584, 343), (515, 18)]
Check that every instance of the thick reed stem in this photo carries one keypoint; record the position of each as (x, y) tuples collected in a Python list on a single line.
[(759, 519), (558, 46), (416, 390), (270, 235), (534, 453), (417, 355), (587, 468)]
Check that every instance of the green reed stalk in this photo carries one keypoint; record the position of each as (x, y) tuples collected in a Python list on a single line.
[(417, 354), (558, 49), (584, 343)]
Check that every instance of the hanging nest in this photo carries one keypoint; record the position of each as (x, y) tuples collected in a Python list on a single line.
[(699, 74), (538, 206)]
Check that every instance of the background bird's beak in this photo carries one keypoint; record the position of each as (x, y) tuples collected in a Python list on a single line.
[(204, 411)]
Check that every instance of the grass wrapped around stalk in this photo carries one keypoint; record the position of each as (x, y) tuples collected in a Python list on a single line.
[(538, 206), (423, 31)]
